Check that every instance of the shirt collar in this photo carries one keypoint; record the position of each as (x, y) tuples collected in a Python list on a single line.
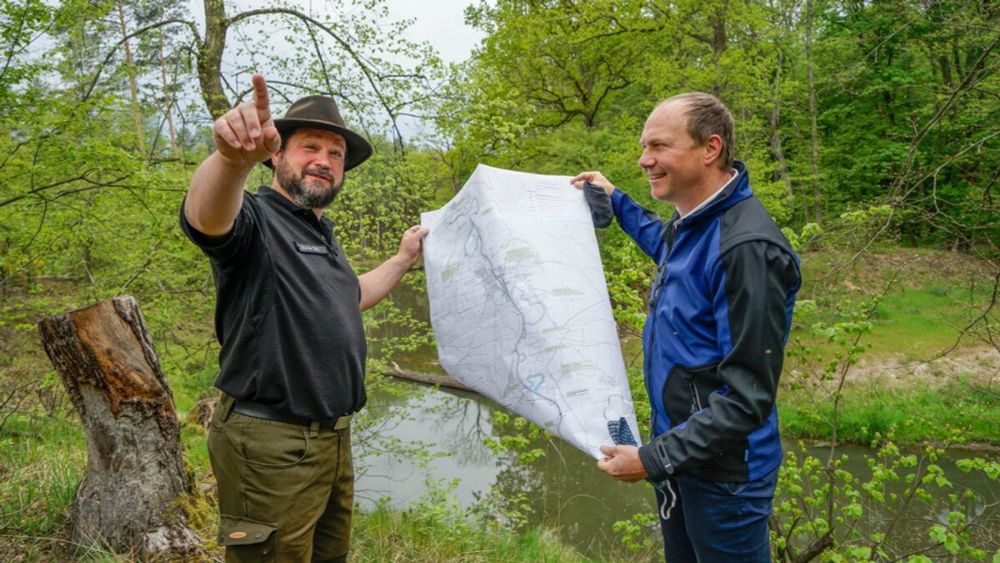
[(712, 197)]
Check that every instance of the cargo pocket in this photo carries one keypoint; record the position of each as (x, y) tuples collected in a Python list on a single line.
[(248, 540)]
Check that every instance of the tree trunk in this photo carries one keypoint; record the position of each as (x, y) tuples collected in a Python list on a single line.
[(135, 465), (775, 119), (168, 101), (210, 58), (133, 86), (719, 44), (813, 130)]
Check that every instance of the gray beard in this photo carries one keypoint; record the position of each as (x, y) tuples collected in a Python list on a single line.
[(300, 194)]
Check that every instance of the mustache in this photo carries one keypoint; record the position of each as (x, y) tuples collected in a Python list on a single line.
[(321, 172)]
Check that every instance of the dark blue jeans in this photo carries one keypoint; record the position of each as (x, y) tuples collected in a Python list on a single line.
[(717, 521)]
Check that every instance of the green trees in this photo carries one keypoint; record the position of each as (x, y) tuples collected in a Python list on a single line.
[(864, 122), (838, 103)]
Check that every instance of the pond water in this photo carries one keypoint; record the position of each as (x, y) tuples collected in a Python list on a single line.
[(563, 489)]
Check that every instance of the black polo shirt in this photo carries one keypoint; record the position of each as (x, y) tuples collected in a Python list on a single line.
[(287, 311)]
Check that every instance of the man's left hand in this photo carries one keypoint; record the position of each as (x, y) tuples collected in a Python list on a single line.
[(411, 246), (622, 463)]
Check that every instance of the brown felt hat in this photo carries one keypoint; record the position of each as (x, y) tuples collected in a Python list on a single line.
[(320, 112)]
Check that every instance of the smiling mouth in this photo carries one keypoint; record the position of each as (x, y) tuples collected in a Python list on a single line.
[(321, 177), (655, 177)]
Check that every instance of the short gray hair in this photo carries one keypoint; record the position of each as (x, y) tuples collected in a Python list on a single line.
[(707, 116)]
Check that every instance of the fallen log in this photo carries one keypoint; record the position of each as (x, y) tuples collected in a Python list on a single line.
[(135, 463), (428, 378)]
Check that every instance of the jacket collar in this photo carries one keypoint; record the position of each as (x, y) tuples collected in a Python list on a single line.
[(737, 190)]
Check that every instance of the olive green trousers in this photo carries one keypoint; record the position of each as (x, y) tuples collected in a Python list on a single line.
[(286, 491)]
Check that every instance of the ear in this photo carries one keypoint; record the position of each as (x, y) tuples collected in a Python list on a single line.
[(713, 148), (277, 156)]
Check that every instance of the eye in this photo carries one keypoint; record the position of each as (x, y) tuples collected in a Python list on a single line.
[(337, 154), (309, 147)]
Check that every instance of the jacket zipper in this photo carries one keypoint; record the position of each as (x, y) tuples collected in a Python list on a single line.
[(661, 280), (695, 399)]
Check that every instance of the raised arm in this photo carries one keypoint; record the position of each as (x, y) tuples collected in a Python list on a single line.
[(244, 136), (376, 284)]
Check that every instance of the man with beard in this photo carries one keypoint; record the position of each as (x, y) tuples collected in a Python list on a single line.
[(288, 318)]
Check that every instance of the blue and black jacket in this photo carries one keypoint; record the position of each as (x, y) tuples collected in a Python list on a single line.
[(719, 316)]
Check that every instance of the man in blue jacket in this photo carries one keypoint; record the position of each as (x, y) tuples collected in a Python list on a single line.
[(720, 310)]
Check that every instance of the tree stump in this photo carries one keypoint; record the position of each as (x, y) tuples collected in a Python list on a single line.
[(135, 463)]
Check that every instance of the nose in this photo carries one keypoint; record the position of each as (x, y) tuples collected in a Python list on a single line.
[(322, 160), (645, 160)]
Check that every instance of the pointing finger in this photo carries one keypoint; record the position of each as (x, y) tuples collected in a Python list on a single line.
[(261, 102)]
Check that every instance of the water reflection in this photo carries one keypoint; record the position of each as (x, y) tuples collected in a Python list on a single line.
[(564, 490)]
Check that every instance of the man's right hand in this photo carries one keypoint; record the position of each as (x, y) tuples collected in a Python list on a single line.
[(246, 134), (595, 178)]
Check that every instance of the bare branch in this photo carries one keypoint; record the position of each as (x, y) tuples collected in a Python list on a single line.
[(367, 68), (123, 40)]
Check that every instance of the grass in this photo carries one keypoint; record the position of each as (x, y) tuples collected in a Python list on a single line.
[(42, 461), (385, 535), (957, 413), (917, 302), (925, 299)]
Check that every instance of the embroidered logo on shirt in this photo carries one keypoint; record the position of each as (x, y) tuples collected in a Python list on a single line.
[(311, 248)]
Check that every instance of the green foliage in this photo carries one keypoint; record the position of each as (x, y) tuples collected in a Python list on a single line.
[(882, 73), (906, 111), (860, 515), (43, 462), (381, 200), (632, 531), (517, 435), (437, 533)]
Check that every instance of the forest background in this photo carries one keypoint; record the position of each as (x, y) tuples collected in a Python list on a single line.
[(869, 129)]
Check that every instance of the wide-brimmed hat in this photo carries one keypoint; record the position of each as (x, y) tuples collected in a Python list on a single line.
[(320, 112)]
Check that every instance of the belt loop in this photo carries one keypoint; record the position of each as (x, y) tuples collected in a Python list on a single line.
[(226, 402), (314, 429), (343, 422)]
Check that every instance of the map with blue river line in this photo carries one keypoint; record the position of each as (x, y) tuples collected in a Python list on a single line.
[(520, 308)]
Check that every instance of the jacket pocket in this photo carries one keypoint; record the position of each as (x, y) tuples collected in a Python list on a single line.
[(687, 389)]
